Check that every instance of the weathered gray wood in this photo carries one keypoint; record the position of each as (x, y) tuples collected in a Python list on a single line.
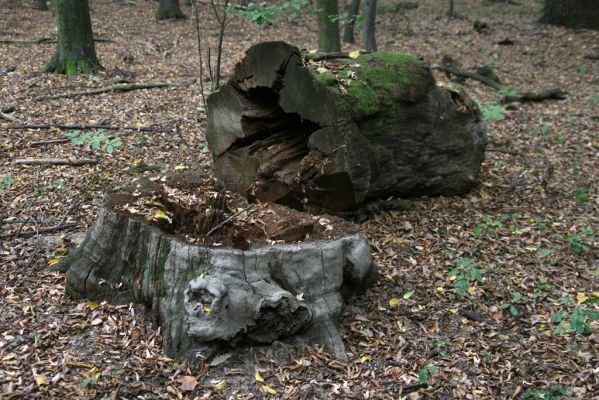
[(280, 131), (207, 296)]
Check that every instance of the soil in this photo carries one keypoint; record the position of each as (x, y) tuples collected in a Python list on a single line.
[(485, 296)]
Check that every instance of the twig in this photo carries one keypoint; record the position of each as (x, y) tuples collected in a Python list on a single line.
[(76, 162), (105, 127), (66, 214), (42, 230), (49, 142), (9, 118), (506, 151), (226, 221), (118, 88), (199, 35)]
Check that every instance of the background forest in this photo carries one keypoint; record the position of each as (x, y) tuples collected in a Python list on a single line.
[(488, 295)]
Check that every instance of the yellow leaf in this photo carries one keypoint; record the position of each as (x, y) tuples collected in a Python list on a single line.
[(595, 295), (207, 308), (465, 321), (268, 389), (313, 51), (40, 380), (259, 377), (439, 289), (26, 308), (394, 302), (365, 359), (60, 250), (180, 167), (53, 128), (54, 261), (12, 297), (354, 54), (160, 215), (472, 290), (581, 298), (221, 384), (93, 305)]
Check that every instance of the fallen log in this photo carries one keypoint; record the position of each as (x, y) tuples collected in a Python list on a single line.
[(336, 133), (265, 272)]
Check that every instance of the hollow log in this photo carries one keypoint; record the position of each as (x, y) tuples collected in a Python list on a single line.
[(268, 273), (332, 134)]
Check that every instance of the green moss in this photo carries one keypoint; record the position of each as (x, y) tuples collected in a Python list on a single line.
[(379, 75), (326, 78), (163, 253)]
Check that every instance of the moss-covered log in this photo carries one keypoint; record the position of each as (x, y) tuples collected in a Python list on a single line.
[(212, 277), (75, 52), (332, 134)]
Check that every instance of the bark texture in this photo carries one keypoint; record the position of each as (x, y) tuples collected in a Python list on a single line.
[(205, 297), (572, 13), (41, 5), (169, 9), (369, 31), (282, 132), (328, 30), (75, 52), (352, 13)]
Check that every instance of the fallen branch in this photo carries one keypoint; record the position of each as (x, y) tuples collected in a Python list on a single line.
[(118, 88), (105, 127), (226, 221), (329, 56), (9, 118), (49, 142), (546, 94), (44, 40), (41, 230), (56, 161)]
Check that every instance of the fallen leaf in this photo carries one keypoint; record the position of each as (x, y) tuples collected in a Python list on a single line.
[(354, 54), (258, 377), (268, 389), (188, 383), (394, 302)]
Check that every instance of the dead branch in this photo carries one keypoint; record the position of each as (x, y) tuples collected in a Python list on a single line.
[(49, 142), (9, 118), (329, 56), (45, 40), (105, 127), (75, 162), (546, 94), (42, 230), (229, 219), (119, 88)]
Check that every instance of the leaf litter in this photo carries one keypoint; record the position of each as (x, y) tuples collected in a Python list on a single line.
[(489, 295)]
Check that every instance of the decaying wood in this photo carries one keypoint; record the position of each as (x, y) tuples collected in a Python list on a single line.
[(552, 93), (278, 132), (91, 126), (207, 296), (76, 162), (119, 88)]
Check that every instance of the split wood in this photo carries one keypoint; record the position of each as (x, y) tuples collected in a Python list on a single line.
[(546, 94), (75, 162), (105, 127), (119, 88)]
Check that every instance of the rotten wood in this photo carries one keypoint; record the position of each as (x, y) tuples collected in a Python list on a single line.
[(118, 89), (72, 161)]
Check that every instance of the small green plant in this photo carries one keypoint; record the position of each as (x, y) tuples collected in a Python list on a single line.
[(425, 373), (261, 13), (582, 69), (512, 305), (596, 98), (492, 111), (6, 181), (96, 140), (542, 128), (554, 392), (579, 321), (581, 242), (488, 225), (509, 92), (582, 196), (465, 272)]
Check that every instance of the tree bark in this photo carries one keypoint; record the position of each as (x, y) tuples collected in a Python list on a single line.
[(369, 31), (206, 296), (41, 5), (75, 51), (451, 12), (328, 30), (579, 14), (352, 14), (169, 9), (281, 132)]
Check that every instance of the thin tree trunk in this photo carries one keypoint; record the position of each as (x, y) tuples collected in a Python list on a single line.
[(169, 9), (451, 11), (369, 35), (41, 5), (75, 52), (328, 31), (352, 14)]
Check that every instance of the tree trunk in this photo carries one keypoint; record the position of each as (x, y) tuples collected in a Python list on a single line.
[(169, 9), (282, 132), (352, 14), (451, 11), (41, 5), (328, 30), (75, 51), (204, 296), (369, 31), (579, 14)]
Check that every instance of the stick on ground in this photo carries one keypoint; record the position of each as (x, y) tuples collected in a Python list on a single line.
[(105, 127), (76, 162)]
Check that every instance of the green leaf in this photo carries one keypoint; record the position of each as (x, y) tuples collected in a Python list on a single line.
[(407, 295)]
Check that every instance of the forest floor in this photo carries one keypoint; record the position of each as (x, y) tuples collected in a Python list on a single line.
[(486, 296)]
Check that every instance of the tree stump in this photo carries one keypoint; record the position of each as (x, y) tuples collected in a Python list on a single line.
[(213, 270), (326, 133)]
